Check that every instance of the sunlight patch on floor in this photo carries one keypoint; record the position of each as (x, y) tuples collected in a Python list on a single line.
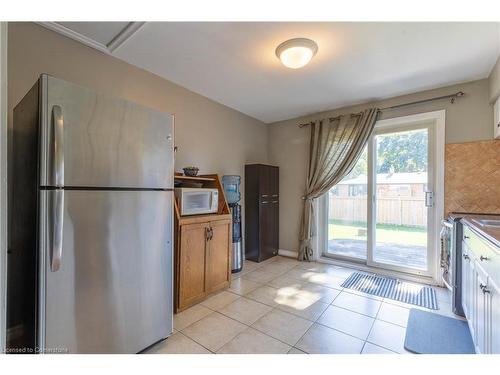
[(296, 299)]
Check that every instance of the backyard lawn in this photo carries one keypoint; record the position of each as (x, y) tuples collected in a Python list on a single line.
[(393, 234)]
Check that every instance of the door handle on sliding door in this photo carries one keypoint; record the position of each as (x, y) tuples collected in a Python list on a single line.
[(56, 228), (429, 198), (58, 146)]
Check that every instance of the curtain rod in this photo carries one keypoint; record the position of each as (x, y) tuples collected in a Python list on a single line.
[(453, 97)]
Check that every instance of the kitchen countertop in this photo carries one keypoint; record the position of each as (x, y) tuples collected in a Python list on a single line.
[(492, 234)]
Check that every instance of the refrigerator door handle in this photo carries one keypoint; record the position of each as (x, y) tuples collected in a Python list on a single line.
[(58, 151), (57, 213)]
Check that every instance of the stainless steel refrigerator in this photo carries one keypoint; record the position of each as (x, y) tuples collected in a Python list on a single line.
[(90, 250)]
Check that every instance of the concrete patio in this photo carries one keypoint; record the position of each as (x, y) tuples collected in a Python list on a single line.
[(395, 254)]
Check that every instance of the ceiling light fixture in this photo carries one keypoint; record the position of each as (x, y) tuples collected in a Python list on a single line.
[(296, 53)]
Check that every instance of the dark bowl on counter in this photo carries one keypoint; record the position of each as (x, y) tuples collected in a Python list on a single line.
[(191, 171)]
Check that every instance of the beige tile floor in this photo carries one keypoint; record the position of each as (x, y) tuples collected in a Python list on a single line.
[(285, 306)]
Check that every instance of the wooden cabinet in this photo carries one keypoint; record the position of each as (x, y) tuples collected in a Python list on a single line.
[(481, 292), (261, 211), (218, 271), (203, 246), (203, 260), (496, 118), (192, 259)]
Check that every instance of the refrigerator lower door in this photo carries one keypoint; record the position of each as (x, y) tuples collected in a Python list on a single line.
[(109, 288)]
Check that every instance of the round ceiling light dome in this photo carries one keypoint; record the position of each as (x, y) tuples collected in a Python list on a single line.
[(296, 53)]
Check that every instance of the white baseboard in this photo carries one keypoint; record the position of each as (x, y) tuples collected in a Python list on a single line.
[(288, 253)]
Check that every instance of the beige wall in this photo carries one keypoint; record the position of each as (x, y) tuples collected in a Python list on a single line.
[(208, 134), (469, 119)]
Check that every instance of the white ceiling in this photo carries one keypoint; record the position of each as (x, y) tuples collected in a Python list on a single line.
[(101, 32), (235, 64)]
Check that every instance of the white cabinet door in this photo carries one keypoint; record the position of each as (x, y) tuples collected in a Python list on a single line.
[(494, 330), (466, 283), (482, 311), (469, 288), (481, 293)]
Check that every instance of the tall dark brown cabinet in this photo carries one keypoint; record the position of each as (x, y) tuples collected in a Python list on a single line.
[(261, 211)]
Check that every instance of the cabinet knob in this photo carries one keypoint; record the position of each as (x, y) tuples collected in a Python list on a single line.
[(466, 237), (483, 258), (484, 288), (465, 256)]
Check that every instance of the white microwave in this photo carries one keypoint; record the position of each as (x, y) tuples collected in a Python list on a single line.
[(196, 201)]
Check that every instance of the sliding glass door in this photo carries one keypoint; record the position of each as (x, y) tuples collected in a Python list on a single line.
[(399, 186), (379, 214), (347, 214)]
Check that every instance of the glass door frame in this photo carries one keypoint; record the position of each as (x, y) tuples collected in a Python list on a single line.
[(372, 196), (435, 123)]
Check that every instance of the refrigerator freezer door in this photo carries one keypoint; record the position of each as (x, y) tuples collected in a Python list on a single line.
[(93, 140), (112, 292)]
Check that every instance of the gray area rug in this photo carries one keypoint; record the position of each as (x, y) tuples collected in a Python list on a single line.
[(395, 289), (429, 333)]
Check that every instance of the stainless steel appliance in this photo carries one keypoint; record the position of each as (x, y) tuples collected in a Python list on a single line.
[(451, 258), (196, 201), (231, 185), (90, 252)]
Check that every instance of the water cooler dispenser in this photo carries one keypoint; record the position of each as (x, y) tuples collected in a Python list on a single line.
[(232, 189)]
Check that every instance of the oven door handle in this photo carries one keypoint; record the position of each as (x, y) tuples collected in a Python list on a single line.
[(447, 224)]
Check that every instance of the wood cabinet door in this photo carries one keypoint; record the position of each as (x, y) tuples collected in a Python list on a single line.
[(218, 268), (266, 230), (275, 204), (496, 119), (274, 182), (264, 181), (192, 259), (275, 226)]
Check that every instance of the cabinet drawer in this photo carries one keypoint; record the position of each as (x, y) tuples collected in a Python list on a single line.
[(484, 253)]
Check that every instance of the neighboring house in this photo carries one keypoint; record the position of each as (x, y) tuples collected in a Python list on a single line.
[(400, 198), (389, 185)]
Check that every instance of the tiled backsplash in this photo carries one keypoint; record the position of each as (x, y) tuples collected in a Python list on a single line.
[(472, 177)]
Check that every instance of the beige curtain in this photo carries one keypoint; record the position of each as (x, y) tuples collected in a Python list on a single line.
[(335, 147)]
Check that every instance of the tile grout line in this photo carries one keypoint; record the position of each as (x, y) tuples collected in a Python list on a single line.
[(273, 336), (247, 326), (371, 328), (379, 346), (225, 342), (195, 342), (277, 308), (215, 311)]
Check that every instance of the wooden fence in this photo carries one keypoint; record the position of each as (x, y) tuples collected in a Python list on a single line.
[(394, 210)]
